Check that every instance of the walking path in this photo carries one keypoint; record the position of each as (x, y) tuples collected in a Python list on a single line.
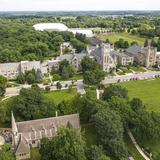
[(137, 146)]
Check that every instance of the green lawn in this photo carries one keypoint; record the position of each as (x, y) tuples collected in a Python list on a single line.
[(126, 36), (91, 92), (89, 134), (147, 90), (91, 139), (138, 69), (61, 95), (35, 155), (125, 70), (77, 77)]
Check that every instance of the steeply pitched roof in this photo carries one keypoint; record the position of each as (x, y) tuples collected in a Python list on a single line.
[(94, 41), (23, 147), (59, 121), (69, 57), (134, 50), (38, 129)]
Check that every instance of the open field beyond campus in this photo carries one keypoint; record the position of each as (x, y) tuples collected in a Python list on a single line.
[(126, 36)]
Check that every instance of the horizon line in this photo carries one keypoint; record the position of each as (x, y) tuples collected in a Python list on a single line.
[(115, 10)]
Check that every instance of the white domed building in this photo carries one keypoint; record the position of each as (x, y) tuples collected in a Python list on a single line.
[(50, 27), (60, 27)]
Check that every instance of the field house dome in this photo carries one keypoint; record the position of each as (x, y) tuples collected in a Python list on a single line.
[(50, 27)]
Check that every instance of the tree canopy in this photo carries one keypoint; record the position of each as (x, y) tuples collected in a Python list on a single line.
[(67, 145)]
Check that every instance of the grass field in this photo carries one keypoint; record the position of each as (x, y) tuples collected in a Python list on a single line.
[(126, 36), (147, 90), (59, 96)]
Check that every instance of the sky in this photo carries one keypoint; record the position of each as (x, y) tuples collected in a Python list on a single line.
[(80, 5)]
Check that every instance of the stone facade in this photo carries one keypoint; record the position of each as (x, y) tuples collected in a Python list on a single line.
[(104, 54), (145, 56), (28, 134), (108, 58), (10, 70)]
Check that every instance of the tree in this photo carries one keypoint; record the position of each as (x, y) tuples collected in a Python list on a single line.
[(107, 40), (3, 85), (67, 145), (30, 78), (115, 90), (109, 129), (81, 37), (63, 64), (68, 72), (39, 75), (20, 78), (153, 43), (88, 64), (122, 108), (58, 85), (134, 43), (96, 153), (80, 46), (146, 43), (126, 44), (93, 77), (31, 104), (6, 153), (144, 125), (92, 72)]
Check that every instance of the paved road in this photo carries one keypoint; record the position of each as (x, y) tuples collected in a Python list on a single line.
[(13, 91), (124, 78), (137, 146), (79, 83)]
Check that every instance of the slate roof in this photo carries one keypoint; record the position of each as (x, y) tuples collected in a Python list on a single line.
[(119, 54), (69, 57), (134, 50), (23, 147), (94, 41), (38, 129)]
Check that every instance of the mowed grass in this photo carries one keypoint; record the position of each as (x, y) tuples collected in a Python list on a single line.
[(61, 95), (147, 90), (126, 36)]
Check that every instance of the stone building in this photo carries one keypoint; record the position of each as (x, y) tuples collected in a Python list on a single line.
[(108, 58), (74, 59), (145, 56), (28, 134), (123, 59), (10, 70)]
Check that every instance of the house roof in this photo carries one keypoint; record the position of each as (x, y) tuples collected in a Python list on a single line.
[(59, 121), (69, 57), (94, 41), (23, 147), (38, 129), (134, 49)]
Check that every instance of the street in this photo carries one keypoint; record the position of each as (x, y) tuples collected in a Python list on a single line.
[(13, 91)]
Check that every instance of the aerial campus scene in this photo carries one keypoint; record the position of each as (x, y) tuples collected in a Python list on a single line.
[(79, 80)]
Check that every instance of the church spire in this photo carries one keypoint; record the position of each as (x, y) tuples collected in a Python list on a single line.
[(14, 126)]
